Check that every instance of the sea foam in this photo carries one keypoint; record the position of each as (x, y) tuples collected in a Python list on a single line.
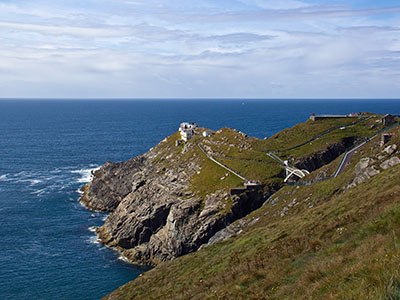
[(86, 174)]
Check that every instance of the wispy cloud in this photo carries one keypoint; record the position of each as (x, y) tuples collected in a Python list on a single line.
[(235, 48), (101, 31)]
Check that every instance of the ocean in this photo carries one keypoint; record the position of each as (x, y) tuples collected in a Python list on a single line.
[(48, 249)]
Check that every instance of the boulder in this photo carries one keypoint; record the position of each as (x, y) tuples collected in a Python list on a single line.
[(390, 149), (390, 163)]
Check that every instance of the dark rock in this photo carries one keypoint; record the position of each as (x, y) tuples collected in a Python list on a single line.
[(155, 215), (322, 158)]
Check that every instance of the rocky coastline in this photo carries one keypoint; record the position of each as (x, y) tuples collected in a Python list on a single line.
[(155, 214), (173, 200)]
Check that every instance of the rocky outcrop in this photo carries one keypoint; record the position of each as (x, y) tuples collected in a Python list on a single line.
[(363, 171), (390, 149), (368, 167), (319, 159), (186, 227), (113, 182), (155, 214), (390, 163)]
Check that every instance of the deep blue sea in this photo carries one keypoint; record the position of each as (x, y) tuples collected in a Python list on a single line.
[(47, 148)]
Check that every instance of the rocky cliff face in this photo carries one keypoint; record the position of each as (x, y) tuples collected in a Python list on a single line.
[(155, 214), (173, 199), (319, 159)]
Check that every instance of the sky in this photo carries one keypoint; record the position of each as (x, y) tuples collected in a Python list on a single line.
[(199, 49)]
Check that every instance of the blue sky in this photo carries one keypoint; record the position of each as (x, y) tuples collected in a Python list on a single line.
[(193, 49)]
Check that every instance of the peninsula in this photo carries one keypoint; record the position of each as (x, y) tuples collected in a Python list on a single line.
[(276, 217)]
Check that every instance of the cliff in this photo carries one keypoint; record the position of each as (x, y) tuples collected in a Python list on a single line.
[(335, 239), (173, 199), (160, 210)]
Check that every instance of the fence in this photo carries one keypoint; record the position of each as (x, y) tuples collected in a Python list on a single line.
[(348, 150)]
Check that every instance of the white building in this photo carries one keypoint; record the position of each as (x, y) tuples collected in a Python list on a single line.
[(206, 133), (187, 130)]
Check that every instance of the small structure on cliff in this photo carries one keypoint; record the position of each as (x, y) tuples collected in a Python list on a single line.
[(385, 138), (314, 117), (387, 119), (187, 130), (249, 185)]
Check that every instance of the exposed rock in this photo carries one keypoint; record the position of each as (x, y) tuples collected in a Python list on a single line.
[(390, 149), (363, 171), (284, 211), (155, 214), (362, 165), (319, 159), (229, 231), (390, 163), (114, 181)]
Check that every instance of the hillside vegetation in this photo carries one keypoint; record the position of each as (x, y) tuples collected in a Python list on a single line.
[(335, 239)]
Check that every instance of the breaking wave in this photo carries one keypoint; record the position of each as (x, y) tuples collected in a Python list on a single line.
[(86, 175), (40, 183)]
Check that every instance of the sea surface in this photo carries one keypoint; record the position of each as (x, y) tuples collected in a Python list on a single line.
[(48, 249)]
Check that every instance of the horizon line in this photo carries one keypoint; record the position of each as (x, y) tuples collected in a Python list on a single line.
[(196, 98)]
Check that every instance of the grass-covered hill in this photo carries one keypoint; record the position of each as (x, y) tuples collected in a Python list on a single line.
[(335, 239), (247, 155)]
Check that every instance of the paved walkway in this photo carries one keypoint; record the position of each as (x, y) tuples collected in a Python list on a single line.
[(289, 169), (325, 133), (222, 165), (346, 158)]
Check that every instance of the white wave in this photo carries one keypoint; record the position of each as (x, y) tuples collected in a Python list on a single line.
[(105, 218), (34, 181), (30, 181), (39, 192), (94, 240), (123, 258), (86, 174), (22, 177), (92, 228)]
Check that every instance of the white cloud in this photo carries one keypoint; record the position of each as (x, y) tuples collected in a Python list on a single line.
[(248, 48), (103, 31)]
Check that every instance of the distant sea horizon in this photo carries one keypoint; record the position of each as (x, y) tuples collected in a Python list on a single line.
[(193, 99), (48, 148)]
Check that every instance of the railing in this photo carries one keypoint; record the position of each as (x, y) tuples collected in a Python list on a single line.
[(324, 133), (222, 165), (347, 151)]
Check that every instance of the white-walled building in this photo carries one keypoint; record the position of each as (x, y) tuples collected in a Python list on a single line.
[(187, 130), (206, 133)]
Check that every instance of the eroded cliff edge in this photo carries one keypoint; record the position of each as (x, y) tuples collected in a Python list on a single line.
[(173, 199), (159, 207)]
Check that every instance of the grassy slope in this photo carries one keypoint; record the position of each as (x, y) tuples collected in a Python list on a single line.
[(253, 163), (328, 244)]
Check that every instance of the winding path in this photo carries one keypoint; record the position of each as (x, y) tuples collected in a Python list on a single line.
[(222, 165), (325, 133), (346, 158)]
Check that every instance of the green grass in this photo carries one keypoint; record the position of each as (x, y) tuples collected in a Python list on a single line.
[(255, 170), (212, 177), (330, 244), (359, 131), (302, 132)]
